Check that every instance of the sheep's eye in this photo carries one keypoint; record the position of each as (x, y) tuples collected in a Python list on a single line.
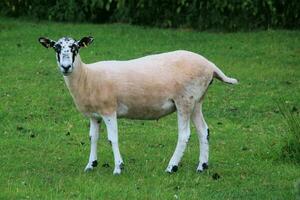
[(73, 48), (57, 48)]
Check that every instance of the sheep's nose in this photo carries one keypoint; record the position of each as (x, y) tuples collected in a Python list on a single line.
[(66, 68)]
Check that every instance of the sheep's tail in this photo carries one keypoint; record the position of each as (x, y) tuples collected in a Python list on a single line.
[(222, 77)]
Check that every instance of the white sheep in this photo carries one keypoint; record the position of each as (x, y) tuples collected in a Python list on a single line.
[(145, 88)]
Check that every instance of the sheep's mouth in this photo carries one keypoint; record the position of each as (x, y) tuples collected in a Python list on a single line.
[(66, 73), (66, 70)]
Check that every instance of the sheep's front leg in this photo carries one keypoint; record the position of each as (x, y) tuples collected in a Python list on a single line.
[(183, 138), (94, 135), (112, 134)]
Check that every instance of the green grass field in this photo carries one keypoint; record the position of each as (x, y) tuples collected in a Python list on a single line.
[(44, 143)]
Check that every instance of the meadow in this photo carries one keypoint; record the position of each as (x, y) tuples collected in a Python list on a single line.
[(44, 143)]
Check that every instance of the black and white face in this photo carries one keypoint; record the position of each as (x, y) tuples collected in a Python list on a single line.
[(66, 51)]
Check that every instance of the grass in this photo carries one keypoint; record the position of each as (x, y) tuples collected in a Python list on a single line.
[(291, 149), (44, 141)]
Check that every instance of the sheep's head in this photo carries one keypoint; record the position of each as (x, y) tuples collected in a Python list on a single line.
[(66, 51)]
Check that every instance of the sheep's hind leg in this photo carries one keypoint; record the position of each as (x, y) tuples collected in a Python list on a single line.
[(203, 135), (183, 138), (112, 133), (94, 135)]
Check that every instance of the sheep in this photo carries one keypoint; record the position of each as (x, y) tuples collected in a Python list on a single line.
[(145, 88)]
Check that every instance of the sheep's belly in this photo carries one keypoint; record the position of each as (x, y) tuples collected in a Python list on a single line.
[(147, 112)]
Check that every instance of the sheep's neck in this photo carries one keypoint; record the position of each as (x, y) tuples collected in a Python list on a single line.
[(76, 81)]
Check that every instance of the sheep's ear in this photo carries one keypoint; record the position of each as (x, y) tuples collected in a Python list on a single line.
[(85, 41), (46, 42)]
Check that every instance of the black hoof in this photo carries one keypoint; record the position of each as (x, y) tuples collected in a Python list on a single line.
[(204, 166), (174, 168), (94, 163), (122, 166)]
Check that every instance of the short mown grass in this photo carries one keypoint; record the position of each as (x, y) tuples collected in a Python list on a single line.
[(44, 142)]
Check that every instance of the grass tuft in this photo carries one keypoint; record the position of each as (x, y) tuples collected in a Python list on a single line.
[(291, 148), (297, 188)]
